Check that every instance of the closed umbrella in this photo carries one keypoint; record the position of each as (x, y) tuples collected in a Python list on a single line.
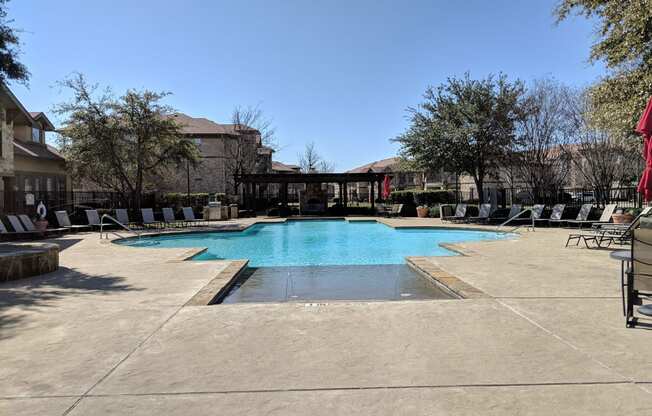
[(644, 127), (386, 187)]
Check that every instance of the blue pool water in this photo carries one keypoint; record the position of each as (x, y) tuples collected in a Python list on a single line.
[(318, 243)]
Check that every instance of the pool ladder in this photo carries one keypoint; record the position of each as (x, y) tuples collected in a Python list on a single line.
[(529, 227), (125, 227)]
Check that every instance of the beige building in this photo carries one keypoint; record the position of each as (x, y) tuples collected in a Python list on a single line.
[(225, 149), (30, 169)]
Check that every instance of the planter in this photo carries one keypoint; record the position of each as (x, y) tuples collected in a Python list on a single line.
[(41, 225), (423, 212), (622, 218)]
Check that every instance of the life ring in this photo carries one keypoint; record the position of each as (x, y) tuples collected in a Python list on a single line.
[(41, 210)]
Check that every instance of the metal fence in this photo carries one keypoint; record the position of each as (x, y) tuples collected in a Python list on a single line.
[(625, 197)]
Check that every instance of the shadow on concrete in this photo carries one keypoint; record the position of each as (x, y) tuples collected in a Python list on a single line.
[(46, 290), (64, 243)]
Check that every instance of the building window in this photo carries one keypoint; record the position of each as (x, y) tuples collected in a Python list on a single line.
[(49, 185), (197, 141), (36, 135)]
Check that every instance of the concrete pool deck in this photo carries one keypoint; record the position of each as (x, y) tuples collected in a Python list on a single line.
[(111, 333)]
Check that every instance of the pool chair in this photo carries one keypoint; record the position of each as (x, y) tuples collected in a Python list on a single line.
[(4, 232), (122, 216), (168, 217), (64, 222), (583, 215), (637, 287), (535, 214), (555, 215), (148, 218), (460, 213), (29, 226), (93, 218), (514, 210), (603, 235), (395, 211), (189, 216), (605, 218), (19, 229), (483, 214)]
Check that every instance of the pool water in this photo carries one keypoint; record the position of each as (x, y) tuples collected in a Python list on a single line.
[(319, 243)]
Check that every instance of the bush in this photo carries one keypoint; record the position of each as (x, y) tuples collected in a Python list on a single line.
[(416, 197), (178, 199)]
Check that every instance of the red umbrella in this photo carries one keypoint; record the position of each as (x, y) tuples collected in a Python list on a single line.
[(644, 127), (386, 187)]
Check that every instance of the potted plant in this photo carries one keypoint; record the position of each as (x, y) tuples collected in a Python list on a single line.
[(423, 211)]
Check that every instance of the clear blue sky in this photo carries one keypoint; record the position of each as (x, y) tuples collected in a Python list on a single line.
[(339, 73)]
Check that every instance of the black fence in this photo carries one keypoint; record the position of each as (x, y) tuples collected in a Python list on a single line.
[(625, 197)]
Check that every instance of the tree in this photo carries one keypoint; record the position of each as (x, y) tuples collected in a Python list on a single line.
[(624, 44), (242, 150), (311, 162), (120, 143), (464, 125), (601, 158), (536, 157), (10, 67)]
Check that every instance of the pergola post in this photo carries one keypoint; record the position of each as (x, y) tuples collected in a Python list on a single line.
[(371, 194), (346, 194), (284, 194)]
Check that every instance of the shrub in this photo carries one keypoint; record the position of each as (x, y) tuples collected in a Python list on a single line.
[(417, 197)]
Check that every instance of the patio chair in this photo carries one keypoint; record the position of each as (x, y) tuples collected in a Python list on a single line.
[(148, 218), (168, 217), (555, 215), (64, 222), (395, 210), (122, 216), (93, 218), (608, 233), (638, 286), (460, 213), (483, 214), (189, 216), (18, 227), (535, 213), (514, 210), (5, 232), (604, 218), (583, 215)]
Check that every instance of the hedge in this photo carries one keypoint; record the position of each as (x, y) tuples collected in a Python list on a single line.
[(416, 197)]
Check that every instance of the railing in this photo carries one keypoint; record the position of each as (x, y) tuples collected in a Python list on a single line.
[(516, 217), (116, 222)]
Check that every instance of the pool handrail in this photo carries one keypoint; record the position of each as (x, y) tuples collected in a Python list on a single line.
[(127, 228), (516, 217)]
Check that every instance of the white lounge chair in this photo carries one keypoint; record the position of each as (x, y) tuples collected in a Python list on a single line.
[(483, 214), (555, 215), (604, 218), (460, 213), (168, 217), (64, 222), (189, 216), (514, 210), (148, 217), (93, 218)]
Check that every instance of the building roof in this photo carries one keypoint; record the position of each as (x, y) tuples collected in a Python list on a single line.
[(197, 126), (36, 150), (9, 100), (282, 167), (379, 166), (40, 116)]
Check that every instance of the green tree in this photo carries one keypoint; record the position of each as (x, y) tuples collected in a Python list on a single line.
[(464, 125), (10, 67), (624, 44), (120, 143)]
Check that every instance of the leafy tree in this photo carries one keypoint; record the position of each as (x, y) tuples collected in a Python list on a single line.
[(120, 143), (624, 44), (10, 67), (464, 125)]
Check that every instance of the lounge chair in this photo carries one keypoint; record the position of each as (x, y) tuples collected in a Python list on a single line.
[(18, 227), (395, 211), (535, 214), (29, 226), (168, 217), (583, 215), (638, 287), (460, 213), (64, 222), (514, 210), (555, 215), (4, 231), (148, 217), (604, 218), (93, 218), (483, 214), (189, 216), (608, 233), (122, 216)]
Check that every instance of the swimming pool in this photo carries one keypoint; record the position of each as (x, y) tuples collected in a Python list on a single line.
[(318, 243)]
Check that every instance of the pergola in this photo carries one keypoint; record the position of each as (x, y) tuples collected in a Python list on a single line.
[(252, 181)]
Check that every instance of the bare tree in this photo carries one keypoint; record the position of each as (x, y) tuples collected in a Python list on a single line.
[(537, 158), (311, 162), (602, 159), (252, 117)]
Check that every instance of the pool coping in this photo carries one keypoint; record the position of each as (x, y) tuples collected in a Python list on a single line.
[(443, 279), (220, 285)]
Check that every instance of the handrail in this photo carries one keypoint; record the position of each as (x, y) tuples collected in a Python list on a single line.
[(515, 217), (116, 222)]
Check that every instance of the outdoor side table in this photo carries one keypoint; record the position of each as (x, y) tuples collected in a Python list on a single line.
[(625, 257)]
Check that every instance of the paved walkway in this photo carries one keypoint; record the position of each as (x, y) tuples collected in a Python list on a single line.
[(108, 334)]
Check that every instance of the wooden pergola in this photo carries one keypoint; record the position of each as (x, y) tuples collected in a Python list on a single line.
[(251, 182)]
